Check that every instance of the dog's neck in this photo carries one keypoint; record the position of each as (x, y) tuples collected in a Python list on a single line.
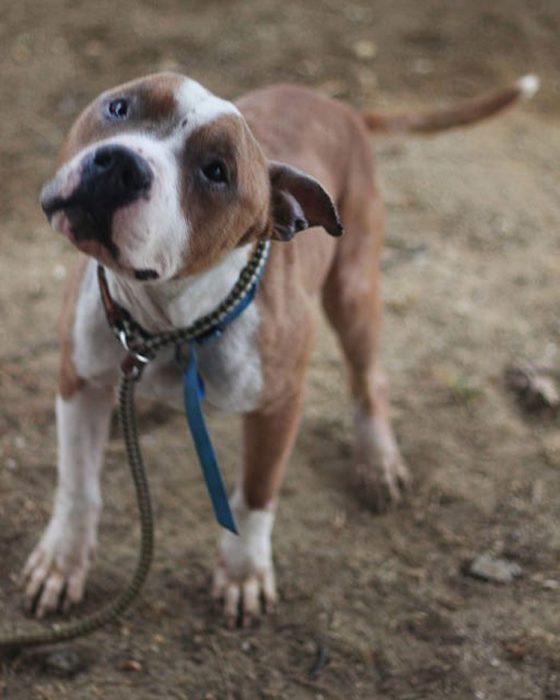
[(178, 303)]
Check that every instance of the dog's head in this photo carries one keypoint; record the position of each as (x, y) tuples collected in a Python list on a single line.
[(159, 178)]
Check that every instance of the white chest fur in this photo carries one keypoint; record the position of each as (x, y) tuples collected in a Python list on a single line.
[(229, 365)]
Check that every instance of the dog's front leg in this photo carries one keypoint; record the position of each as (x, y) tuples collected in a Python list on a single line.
[(244, 575), (56, 570)]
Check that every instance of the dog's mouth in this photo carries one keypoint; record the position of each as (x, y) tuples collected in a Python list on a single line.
[(83, 198), (89, 231), (51, 204)]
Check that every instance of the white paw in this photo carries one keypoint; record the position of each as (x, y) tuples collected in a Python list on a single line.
[(246, 598), (56, 571), (244, 575)]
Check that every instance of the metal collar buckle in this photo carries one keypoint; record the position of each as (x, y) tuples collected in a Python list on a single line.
[(133, 366), (125, 342)]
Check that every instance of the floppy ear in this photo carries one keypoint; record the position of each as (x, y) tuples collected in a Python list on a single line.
[(298, 202)]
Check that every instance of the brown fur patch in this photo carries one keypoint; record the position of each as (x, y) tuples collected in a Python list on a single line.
[(329, 141), (222, 217), (152, 105)]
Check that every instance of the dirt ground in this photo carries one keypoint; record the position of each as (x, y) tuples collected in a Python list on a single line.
[(471, 270)]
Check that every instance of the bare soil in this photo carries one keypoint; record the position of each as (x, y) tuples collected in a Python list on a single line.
[(471, 270)]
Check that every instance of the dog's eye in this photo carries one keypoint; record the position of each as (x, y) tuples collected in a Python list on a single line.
[(118, 109), (215, 172)]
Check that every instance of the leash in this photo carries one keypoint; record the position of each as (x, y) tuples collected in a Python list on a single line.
[(142, 348)]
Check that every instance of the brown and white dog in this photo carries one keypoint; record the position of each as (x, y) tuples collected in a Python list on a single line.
[(170, 187)]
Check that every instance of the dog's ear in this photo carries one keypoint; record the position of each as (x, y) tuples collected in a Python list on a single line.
[(298, 202)]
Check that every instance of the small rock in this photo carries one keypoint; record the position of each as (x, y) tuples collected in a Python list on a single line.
[(516, 649), (130, 665), (490, 568), (364, 49), (449, 601), (20, 442), (65, 663), (535, 386)]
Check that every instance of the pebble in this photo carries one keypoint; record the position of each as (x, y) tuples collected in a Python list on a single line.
[(364, 49), (131, 665), (65, 663), (20, 442), (491, 568)]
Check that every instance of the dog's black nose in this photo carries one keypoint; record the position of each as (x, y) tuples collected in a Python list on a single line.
[(113, 176)]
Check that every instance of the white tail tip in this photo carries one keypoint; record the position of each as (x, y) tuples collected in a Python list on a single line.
[(528, 85)]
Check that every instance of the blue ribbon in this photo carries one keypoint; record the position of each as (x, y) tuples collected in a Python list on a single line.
[(193, 393)]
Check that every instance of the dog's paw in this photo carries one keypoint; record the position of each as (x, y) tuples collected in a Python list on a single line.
[(380, 471), (244, 574), (381, 482), (246, 597), (54, 576)]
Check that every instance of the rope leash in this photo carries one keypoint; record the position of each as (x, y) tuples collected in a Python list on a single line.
[(142, 348)]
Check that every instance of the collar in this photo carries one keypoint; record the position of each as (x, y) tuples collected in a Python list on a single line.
[(142, 346)]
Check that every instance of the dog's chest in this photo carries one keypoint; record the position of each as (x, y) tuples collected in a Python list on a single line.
[(230, 367)]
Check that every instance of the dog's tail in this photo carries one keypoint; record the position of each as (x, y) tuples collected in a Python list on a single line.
[(453, 117)]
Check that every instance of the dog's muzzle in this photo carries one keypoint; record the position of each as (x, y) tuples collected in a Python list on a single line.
[(111, 177)]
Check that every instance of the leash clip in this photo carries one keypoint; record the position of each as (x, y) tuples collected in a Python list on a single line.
[(133, 365), (134, 362), (124, 341)]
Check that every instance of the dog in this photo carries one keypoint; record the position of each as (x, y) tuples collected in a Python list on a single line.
[(170, 188)]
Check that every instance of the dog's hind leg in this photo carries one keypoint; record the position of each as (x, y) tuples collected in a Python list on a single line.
[(353, 306)]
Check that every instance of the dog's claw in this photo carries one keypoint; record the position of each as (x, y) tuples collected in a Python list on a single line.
[(53, 581), (382, 485), (244, 600), (379, 470)]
